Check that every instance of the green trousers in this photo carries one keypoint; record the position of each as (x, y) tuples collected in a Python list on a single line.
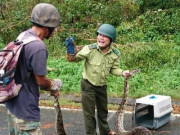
[(94, 96)]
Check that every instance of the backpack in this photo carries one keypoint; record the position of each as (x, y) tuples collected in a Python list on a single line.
[(8, 61)]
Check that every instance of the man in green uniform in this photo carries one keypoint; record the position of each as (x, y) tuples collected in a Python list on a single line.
[(101, 59)]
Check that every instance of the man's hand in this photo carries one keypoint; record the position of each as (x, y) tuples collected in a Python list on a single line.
[(56, 84), (70, 58), (126, 73)]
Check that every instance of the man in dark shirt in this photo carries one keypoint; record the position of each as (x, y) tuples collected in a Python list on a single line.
[(23, 110)]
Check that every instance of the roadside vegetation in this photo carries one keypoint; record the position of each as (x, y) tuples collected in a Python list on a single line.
[(148, 37)]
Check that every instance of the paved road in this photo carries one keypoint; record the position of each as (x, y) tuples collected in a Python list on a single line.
[(73, 122)]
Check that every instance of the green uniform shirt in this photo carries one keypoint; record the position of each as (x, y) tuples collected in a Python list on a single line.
[(98, 66)]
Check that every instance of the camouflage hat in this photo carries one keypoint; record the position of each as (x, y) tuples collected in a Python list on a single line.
[(45, 15)]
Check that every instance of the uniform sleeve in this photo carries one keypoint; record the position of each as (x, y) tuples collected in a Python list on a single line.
[(116, 70), (83, 53)]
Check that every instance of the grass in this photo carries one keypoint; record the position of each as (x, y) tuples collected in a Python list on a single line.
[(158, 61), (63, 103)]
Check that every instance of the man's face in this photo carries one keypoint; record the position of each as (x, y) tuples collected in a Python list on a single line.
[(51, 32), (103, 41)]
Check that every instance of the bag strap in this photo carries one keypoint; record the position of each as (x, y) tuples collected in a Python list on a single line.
[(28, 39)]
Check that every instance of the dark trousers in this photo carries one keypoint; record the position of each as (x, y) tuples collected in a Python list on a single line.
[(94, 96)]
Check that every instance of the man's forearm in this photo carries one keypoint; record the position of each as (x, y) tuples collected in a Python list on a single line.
[(117, 72), (43, 82)]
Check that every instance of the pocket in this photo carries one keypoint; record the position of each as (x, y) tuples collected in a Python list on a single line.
[(26, 126), (95, 63), (85, 85), (94, 66), (9, 91), (109, 64)]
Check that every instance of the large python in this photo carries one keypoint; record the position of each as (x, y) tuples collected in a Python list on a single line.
[(119, 126), (59, 126)]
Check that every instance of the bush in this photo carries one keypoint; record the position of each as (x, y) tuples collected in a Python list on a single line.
[(2, 45), (77, 15), (146, 5), (151, 56), (151, 26), (14, 18)]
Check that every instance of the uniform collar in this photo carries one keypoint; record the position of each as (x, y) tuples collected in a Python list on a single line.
[(109, 51)]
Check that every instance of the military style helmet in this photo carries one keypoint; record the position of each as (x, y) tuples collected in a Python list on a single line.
[(45, 15), (108, 30)]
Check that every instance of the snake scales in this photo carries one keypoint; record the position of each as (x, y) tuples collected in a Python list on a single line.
[(59, 120), (119, 126)]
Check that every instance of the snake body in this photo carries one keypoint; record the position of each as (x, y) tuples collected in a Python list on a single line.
[(59, 126), (119, 126)]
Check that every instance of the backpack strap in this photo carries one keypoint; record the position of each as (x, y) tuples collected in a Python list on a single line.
[(28, 39), (19, 38)]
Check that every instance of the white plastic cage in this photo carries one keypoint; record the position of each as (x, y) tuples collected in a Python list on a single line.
[(152, 111)]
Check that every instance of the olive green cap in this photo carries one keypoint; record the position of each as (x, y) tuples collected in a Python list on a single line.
[(45, 15), (108, 30)]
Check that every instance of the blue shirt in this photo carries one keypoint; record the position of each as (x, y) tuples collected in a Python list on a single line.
[(32, 61)]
